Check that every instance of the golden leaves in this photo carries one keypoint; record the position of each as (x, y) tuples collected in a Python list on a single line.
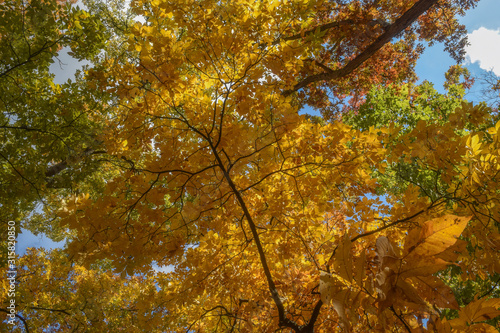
[(476, 311), (482, 309), (410, 277), (49, 280), (434, 291), (215, 143)]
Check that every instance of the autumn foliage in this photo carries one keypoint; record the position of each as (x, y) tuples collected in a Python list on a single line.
[(190, 151)]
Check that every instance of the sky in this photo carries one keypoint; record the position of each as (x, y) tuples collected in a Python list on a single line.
[(483, 54), (65, 66)]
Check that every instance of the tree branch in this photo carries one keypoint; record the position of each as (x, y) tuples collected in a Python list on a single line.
[(406, 219), (20, 318), (309, 328), (321, 28), (57, 168), (391, 31), (283, 320), (46, 47), (47, 309), (401, 319)]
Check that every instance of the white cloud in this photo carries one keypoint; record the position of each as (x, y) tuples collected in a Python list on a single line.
[(163, 269), (484, 48)]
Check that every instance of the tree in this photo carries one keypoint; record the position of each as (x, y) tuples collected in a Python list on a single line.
[(58, 295), (269, 220), (405, 107), (46, 128)]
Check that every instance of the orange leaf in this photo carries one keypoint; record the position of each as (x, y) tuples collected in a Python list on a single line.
[(360, 269), (343, 259), (482, 309), (423, 267), (452, 253), (436, 292)]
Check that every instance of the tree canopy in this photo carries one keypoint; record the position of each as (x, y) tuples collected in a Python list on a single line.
[(184, 145)]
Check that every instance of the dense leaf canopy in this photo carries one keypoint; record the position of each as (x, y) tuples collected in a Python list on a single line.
[(183, 145)]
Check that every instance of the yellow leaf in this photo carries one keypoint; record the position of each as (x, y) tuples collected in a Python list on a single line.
[(409, 292), (435, 235), (360, 269), (482, 309), (452, 253), (424, 267), (436, 292), (343, 259), (474, 144), (482, 328)]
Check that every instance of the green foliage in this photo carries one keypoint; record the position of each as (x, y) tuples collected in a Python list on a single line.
[(467, 290), (404, 106), (47, 131)]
